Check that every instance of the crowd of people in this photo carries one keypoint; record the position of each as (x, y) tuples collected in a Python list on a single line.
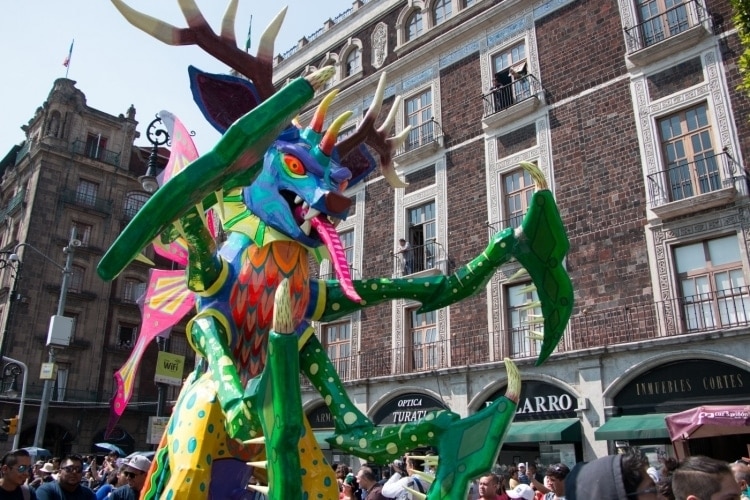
[(72, 477)]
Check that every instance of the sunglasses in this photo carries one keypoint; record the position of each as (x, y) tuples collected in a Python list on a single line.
[(131, 475), (73, 469), (23, 468)]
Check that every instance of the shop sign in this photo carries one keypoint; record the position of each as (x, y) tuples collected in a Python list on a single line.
[(320, 418), (684, 384), (541, 401), (407, 408)]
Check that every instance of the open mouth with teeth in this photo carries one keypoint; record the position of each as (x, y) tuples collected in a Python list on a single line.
[(322, 227)]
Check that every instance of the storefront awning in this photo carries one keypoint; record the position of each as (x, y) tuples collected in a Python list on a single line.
[(561, 429), (651, 426), (321, 436), (709, 421)]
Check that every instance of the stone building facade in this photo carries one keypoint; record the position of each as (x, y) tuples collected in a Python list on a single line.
[(78, 168)]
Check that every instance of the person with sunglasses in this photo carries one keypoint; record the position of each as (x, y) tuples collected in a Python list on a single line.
[(15, 468), (135, 473), (68, 484)]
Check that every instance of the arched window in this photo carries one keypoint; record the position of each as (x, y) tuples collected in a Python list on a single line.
[(353, 61), (443, 10), (414, 26)]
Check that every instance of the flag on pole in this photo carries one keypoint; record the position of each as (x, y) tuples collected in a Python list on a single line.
[(249, 32), (66, 62)]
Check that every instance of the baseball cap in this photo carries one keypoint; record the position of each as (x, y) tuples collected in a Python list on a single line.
[(139, 462), (521, 491)]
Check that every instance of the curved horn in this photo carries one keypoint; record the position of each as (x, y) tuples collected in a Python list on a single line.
[(329, 140), (316, 125)]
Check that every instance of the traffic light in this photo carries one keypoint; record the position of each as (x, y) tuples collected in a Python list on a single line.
[(10, 425)]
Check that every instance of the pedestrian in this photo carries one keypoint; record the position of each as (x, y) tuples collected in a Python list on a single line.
[(614, 477), (68, 484), (407, 256), (521, 492), (698, 478), (403, 478), (15, 468), (135, 473), (367, 480), (555, 477)]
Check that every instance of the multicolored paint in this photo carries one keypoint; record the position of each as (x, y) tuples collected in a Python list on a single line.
[(278, 190)]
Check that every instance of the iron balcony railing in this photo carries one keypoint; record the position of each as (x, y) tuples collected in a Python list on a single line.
[(686, 179), (495, 227), (422, 135), (353, 272), (74, 197), (23, 151), (511, 94), (101, 154), (664, 25), (420, 258), (13, 203), (707, 312)]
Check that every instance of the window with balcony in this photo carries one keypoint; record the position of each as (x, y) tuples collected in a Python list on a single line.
[(661, 19), (712, 284), (132, 290), (425, 349), (511, 83), (133, 202), (692, 166), (423, 236), (337, 339), (414, 26), (518, 298), (419, 116), (83, 232), (126, 335), (519, 187), (96, 146), (442, 11), (86, 193), (76, 279)]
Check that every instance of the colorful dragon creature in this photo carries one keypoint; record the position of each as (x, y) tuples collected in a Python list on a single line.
[(279, 191)]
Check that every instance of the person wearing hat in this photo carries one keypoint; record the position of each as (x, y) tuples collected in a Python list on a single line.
[(68, 484), (523, 491), (135, 472)]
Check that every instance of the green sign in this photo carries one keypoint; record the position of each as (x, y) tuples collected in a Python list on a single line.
[(169, 368)]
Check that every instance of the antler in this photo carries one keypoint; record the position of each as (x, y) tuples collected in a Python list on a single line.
[(377, 138), (223, 47)]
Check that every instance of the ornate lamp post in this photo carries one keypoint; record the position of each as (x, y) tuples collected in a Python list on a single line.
[(157, 135)]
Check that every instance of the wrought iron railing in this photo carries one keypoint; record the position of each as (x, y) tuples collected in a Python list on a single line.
[(419, 136), (74, 197), (664, 25), (497, 226), (23, 151), (511, 94), (710, 312), (686, 179), (13, 203), (101, 154), (420, 258), (353, 272)]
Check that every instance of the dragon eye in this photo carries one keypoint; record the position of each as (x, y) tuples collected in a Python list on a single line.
[(294, 165)]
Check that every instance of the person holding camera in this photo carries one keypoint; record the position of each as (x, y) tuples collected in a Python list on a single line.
[(403, 477)]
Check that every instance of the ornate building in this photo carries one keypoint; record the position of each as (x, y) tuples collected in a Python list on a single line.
[(78, 169), (629, 108)]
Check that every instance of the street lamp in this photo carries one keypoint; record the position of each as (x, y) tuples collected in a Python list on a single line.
[(11, 370), (54, 321), (11, 261), (157, 137)]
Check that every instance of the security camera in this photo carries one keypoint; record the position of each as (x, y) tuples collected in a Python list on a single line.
[(14, 257), (75, 243)]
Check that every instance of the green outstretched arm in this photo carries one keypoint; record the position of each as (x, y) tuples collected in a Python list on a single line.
[(539, 245)]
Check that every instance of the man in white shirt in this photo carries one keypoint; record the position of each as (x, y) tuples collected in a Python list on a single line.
[(403, 478)]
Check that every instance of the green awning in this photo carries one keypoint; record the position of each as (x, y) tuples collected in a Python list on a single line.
[(562, 429), (321, 436), (650, 426)]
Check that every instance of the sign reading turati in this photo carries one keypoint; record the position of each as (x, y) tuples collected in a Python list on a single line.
[(680, 385), (406, 408), (541, 401)]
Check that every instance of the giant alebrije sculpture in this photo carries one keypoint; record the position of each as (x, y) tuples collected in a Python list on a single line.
[(278, 190)]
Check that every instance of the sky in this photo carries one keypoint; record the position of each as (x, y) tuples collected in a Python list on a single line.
[(116, 65)]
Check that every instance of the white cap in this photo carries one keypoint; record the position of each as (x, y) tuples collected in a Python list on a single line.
[(521, 491)]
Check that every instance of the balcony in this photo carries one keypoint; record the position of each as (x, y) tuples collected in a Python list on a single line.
[(687, 187), (423, 260), (495, 227), (668, 32), (512, 101), (422, 141), (86, 201), (100, 154), (15, 202), (23, 151)]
